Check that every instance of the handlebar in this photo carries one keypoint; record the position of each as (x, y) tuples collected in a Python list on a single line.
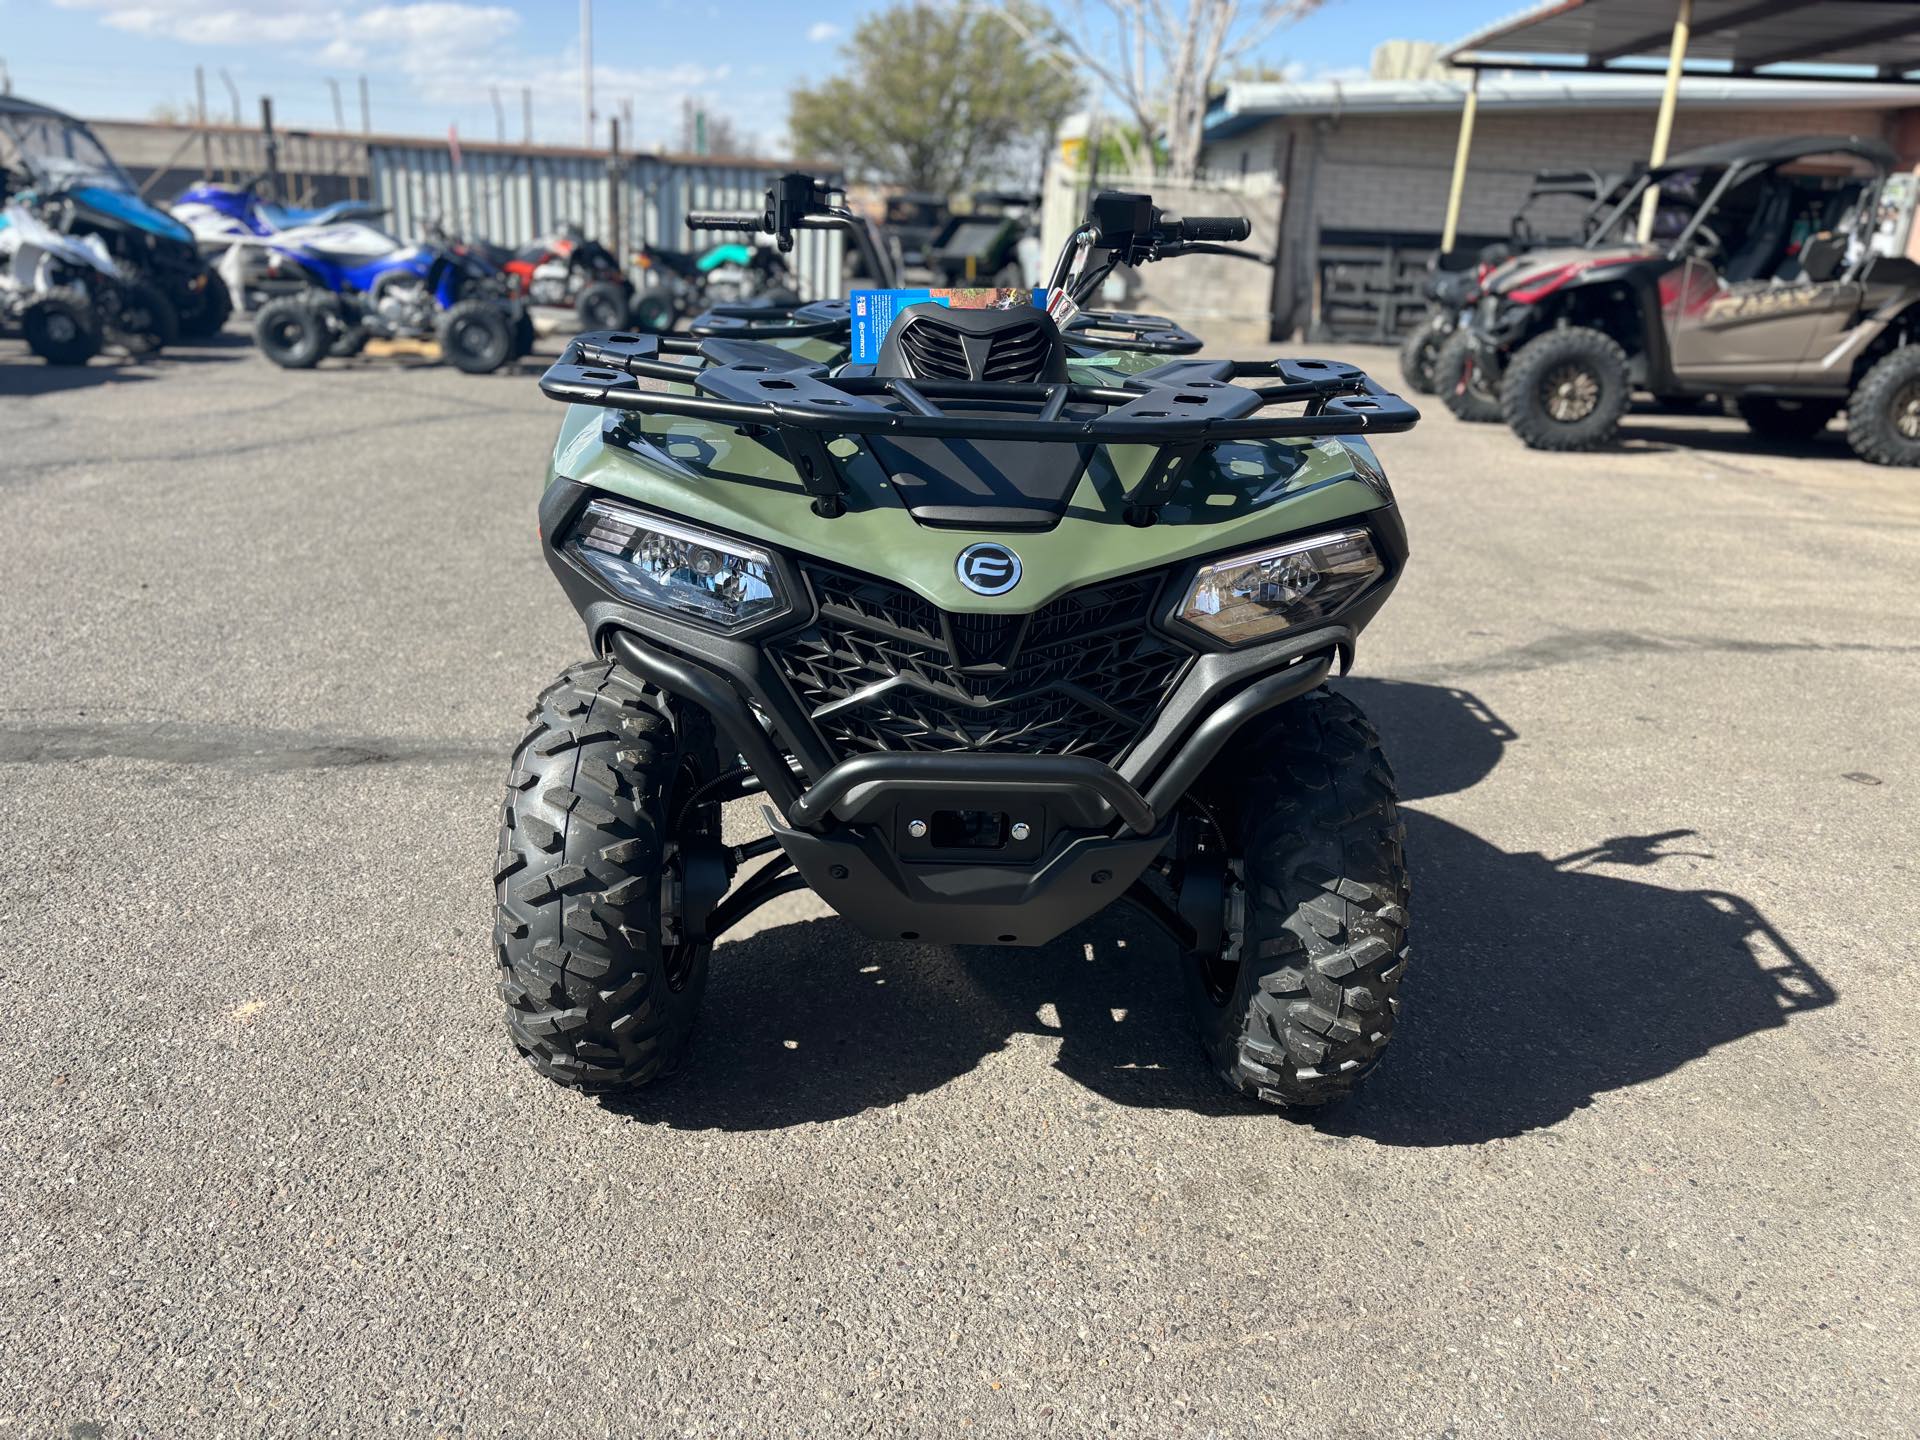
[(1206, 229), (725, 220)]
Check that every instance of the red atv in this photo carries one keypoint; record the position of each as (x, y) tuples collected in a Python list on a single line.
[(567, 269)]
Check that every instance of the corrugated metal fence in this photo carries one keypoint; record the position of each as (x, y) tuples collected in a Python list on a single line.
[(510, 196)]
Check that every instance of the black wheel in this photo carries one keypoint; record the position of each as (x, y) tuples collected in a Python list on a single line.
[(524, 335), (209, 314), (600, 993), (1780, 418), (1566, 389), (1300, 1000), (61, 327), (1883, 415), (292, 332), (145, 322), (347, 342), (602, 307), (477, 336), (1417, 354), (1462, 383), (653, 312)]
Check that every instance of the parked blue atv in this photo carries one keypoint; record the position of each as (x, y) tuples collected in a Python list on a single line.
[(80, 191), (359, 283)]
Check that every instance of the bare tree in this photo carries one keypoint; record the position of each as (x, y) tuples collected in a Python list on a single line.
[(1158, 60)]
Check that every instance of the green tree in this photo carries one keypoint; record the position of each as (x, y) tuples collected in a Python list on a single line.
[(936, 98)]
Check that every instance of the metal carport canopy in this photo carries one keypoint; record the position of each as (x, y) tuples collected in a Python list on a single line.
[(1858, 40), (1878, 39)]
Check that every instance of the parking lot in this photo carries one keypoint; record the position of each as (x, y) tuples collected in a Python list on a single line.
[(1640, 1162)]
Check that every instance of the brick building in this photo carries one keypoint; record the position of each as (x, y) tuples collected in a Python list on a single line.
[(1363, 166)]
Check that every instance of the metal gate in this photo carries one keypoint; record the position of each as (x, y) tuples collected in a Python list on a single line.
[(510, 196)]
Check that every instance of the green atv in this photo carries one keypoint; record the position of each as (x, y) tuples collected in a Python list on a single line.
[(1003, 628)]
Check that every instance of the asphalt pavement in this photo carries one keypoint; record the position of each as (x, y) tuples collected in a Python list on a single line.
[(1640, 1162)]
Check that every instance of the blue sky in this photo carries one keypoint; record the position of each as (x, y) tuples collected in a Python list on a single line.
[(431, 63)]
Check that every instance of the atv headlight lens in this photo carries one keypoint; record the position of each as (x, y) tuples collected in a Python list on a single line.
[(1256, 596), (675, 570)]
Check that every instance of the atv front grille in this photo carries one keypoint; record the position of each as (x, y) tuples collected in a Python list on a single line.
[(1014, 355), (881, 669)]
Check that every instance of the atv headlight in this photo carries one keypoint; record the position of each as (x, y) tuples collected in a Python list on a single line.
[(676, 570), (1256, 596)]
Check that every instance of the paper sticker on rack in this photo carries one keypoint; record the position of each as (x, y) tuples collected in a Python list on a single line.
[(874, 310)]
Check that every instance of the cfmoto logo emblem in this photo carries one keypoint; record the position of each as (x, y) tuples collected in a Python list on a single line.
[(989, 569)]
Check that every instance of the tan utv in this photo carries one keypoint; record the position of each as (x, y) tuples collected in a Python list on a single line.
[(1780, 277)]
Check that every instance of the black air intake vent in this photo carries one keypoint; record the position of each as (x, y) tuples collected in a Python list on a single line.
[(1020, 346), (933, 351), (881, 669)]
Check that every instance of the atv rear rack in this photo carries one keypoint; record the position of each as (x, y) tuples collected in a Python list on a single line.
[(1179, 408), (1129, 330), (821, 319)]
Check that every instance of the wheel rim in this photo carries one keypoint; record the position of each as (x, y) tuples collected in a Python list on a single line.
[(286, 334), (61, 329), (1571, 393), (473, 340), (1906, 410)]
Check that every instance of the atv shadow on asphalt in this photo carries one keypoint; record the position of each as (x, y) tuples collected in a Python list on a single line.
[(1538, 983)]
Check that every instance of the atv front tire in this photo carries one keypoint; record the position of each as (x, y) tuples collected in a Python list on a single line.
[(653, 312), (597, 997), (1883, 416), (1462, 383), (602, 307), (62, 328), (1417, 354), (198, 322), (146, 323), (292, 333), (1567, 389), (1301, 999), (477, 336), (1783, 418)]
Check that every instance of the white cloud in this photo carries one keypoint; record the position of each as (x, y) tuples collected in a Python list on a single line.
[(821, 31), (447, 55)]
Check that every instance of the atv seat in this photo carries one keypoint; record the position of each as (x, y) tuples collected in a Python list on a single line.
[(681, 262)]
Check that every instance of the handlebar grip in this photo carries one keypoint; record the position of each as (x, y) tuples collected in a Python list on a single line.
[(725, 220), (1210, 229)]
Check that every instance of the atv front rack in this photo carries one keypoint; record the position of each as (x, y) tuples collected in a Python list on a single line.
[(1179, 408)]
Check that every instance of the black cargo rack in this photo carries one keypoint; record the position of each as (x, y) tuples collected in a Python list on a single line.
[(1129, 330), (1180, 408), (749, 321), (821, 319)]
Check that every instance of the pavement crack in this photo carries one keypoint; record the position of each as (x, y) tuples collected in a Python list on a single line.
[(234, 747)]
